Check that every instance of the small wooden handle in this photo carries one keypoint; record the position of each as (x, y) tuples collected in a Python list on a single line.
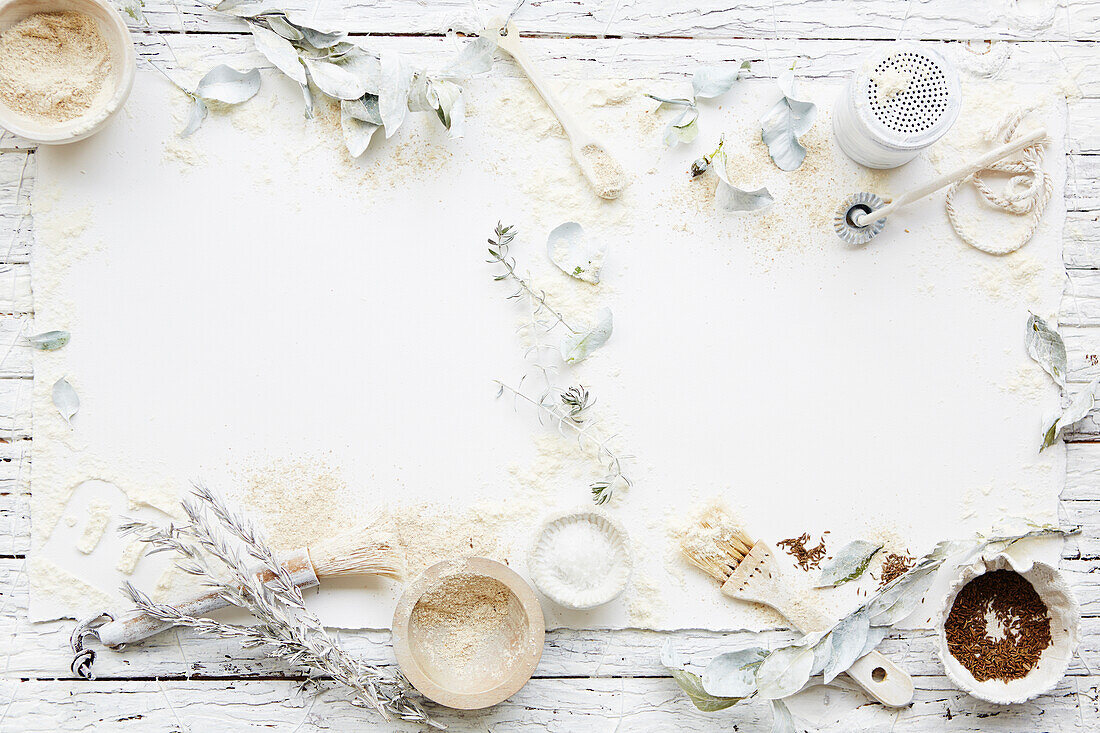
[(132, 626), (882, 679)]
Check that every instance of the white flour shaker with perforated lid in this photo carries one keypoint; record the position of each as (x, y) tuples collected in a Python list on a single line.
[(897, 103)]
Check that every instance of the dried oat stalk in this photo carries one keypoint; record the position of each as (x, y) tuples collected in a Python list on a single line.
[(222, 547)]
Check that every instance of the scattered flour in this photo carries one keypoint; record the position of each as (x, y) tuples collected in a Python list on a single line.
[(95, 523), (128, 560)]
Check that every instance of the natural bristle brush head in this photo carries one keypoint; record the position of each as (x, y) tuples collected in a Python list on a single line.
[(716, 547), (367, 551), (845, 221)]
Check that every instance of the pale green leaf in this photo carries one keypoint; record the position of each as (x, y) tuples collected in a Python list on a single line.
[(576, 347), (1046, 347), (65, 400), (49, 340), (849, 563)]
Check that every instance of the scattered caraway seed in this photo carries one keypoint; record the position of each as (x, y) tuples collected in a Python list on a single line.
[(806, 558), (894, 566), (998, 626)]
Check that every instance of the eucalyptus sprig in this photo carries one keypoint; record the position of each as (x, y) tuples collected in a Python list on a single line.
[(374, 90), (783, 671), (569, 414), (220, 546), (708, 82)]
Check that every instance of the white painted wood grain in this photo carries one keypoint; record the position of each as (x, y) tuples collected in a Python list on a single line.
[(587, 679), (868, 19)]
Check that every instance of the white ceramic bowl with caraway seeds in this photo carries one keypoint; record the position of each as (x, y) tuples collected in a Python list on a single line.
[(112, 93), (1064, 616), (468, 633), (580, 559)]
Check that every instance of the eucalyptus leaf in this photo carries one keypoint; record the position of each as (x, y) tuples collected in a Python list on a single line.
[(365, 67), (714, 81), (784, 123), (823, 652), (576, 347), (441, 96), (364, 108), (307, 99), (782, 720), (906, 600), (574, 253), (849, 563), (670, 657), (476, 57), (49, 340), (334, 80), (133, 8), (875, 635), (683, 128), (393, 93), (321, 39), (227, 85), (247, 8), (733, 674), (195, 117), (1046, 347), (357, 133), (279, 51), (728, 197), (691, 684), (284, 27), (65, 400), (1078, 408), (784, 672), (846, 640)]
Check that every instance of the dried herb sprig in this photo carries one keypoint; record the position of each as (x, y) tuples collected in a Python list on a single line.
[(209, 546), (498, 254), (568, 412)]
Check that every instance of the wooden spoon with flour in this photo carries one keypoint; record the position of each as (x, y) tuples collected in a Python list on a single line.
[(603, 172)]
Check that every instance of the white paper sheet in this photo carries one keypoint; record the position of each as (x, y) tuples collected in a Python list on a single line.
[(249, 295)]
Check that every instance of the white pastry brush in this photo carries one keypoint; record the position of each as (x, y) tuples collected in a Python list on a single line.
[(748, 571)]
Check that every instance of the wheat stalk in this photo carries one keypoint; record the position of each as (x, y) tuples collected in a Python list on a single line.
[(209, 545)]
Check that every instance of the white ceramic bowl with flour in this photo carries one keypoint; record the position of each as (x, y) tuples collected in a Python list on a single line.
[(42, 104)]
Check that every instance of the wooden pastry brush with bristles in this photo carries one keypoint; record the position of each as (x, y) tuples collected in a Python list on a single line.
[(748, 571), (366, 551)]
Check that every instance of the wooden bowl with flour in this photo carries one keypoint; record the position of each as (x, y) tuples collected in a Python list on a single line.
[(66, 67), (468, 633)]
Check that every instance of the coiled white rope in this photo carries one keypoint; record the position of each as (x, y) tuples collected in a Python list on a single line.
[(1027, 193)]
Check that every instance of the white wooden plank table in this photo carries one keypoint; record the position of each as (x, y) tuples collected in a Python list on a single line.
[(598, 681)]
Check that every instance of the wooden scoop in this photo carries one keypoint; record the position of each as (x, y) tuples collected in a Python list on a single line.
[(603, 172)]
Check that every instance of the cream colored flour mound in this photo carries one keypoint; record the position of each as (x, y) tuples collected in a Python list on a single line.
[(52, 65)]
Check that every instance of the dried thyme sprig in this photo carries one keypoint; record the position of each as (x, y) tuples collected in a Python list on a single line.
[(498, 254), (569, 412), (285, 628)]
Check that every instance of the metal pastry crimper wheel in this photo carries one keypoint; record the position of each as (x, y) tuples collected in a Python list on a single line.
[(83, 658)]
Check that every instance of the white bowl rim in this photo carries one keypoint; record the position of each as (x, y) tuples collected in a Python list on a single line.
[(581, 514), (960, 676)]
